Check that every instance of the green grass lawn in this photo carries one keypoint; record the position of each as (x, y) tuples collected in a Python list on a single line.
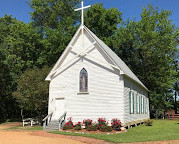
[(160, 130), (26, 128)]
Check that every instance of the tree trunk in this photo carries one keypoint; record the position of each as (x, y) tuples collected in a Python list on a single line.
[(22, 116)]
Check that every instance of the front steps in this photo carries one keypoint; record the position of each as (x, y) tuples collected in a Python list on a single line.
[(53, 125)]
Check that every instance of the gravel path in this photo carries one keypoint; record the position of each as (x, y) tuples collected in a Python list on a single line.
[(24, 137)]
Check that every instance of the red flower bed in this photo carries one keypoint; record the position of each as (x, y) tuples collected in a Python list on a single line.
[(87, 122), (116, 124), (102, 125), (68, 124)]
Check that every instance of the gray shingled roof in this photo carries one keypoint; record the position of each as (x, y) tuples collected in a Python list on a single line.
[(116, 59)]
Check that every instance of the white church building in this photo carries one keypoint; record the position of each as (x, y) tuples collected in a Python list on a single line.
[(90, 81)]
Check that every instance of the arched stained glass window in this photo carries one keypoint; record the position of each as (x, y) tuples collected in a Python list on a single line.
[(83, 81)]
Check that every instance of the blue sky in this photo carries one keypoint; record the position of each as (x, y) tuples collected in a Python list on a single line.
[(129, 8)]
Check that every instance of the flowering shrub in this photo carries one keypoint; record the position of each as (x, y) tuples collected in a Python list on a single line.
[(102, 125), (105, 128), (101, 122), (77, 126), (116, 124), (87, 122), (65, 127), (68, 124), (92, 127)]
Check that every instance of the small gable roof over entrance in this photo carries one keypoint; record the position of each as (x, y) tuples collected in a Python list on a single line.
[(119, 63)]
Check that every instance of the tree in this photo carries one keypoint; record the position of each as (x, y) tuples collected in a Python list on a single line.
[(8, 107), (52, 13), (4, 85), (56, 20), (149, 47), (32, 91), (21, 44)]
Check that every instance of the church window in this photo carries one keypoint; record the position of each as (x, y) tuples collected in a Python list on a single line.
[(137, 104), (142, 105), (146, 106), (83, 81), (131, 102)]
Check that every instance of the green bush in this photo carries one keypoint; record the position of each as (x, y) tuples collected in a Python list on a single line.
[(92, 127), (101, 121), (116, 124), (87, 122), (77, 127), (105, 128), (66, 127), (148, 122)]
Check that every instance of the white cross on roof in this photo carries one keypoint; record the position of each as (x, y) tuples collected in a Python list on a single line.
[(82, 10)]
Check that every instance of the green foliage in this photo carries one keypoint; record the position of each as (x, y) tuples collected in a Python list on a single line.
[(51, 13), (8, 107), (92, 127), (66, 127), (32, 90), (56, 21), (77, 127), (87, 122), (116, 124), (24, 47), (102, 121), (105, 128), (149, 48), (4, 76), (160, 130)]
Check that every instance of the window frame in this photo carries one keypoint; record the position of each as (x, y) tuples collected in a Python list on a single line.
[(83, 71), (137, 104), (131, 102)]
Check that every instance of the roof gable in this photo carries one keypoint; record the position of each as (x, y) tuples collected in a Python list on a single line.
[(118, 63), (62, 57)]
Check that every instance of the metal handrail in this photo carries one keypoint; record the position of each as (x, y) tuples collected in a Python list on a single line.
[(45, 120), (62, 116), (61, 121), (47, 116)]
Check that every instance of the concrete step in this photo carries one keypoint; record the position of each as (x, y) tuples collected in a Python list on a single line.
[(53, 125), (51, 129)]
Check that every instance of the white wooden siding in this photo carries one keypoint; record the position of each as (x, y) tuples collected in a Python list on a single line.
[(130, 85), (105, 86)]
